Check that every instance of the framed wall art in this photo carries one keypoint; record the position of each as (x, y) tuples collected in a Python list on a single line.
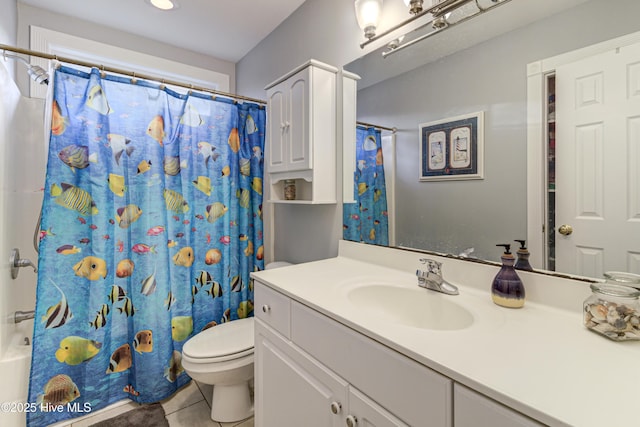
[(452, 148)]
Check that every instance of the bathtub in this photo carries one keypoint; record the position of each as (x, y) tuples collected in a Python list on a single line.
[(14, 370)]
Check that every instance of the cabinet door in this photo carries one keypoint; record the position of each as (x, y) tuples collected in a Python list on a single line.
[(278, 134), (299, 156), (472, 409), (401, 385), (367, 413), (291, 389)]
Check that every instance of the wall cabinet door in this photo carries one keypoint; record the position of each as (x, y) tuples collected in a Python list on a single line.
[(300, 143), (292, 389), (289, 116), (472, 409), (277, 130)]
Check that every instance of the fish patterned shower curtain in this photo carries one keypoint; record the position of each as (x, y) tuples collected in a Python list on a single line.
[(366, 220), (151, 224)]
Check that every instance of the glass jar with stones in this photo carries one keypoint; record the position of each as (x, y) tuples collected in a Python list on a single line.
[(613, 310)]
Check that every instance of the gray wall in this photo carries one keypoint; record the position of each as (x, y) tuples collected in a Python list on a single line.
[(28, 15), (491, 77)]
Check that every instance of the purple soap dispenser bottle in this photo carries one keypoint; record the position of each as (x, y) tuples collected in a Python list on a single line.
[(507, 289), (522, 263)]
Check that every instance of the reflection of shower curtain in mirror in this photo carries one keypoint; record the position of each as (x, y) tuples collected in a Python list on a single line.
[(151, 224), (366, 220)]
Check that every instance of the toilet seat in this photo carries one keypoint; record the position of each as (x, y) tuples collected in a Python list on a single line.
[(227, 341)]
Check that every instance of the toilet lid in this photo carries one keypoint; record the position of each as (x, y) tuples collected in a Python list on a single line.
[(226, 339)]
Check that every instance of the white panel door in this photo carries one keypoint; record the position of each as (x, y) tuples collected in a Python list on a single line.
[(597, 158)]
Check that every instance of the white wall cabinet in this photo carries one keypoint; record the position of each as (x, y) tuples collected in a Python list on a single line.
[(301, 133)]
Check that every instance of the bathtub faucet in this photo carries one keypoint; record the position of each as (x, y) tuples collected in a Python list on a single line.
[(21, 316), (15, 262)]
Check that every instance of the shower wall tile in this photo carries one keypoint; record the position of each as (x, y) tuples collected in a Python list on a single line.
[(22, 218), (26, 149)]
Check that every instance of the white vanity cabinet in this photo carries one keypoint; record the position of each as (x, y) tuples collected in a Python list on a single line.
[(301, 133), (315, 371), (473, 409), (291, 388)]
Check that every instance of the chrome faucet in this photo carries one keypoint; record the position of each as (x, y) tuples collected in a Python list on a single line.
[(15, 262), (431, 278)]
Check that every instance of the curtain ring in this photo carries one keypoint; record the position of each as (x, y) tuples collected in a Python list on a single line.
[(162, 86), (133, 79), (103, 74)]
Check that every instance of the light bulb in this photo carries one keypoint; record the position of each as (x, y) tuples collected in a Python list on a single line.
[(415, 6), (163, 4), (368, 15)]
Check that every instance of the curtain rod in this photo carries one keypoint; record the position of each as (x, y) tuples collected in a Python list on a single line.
[(369, 125), (127, 73)]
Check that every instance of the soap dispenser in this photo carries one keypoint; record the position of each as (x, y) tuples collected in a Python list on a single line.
[(522, 263), (507, 289)]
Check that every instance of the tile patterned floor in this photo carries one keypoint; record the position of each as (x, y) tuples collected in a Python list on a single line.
[(190, 407)]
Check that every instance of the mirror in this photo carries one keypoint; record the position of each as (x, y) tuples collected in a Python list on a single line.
[(479, 66)]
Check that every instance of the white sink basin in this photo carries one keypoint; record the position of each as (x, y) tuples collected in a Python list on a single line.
[(415, 307)]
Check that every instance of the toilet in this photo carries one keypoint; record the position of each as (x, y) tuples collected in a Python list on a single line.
[(222, 356)]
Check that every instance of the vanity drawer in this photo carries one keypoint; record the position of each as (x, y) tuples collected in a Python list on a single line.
[(401, 385), (474, 409), (272, 308)]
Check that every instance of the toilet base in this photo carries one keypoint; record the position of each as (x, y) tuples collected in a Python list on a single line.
[(231, 403)]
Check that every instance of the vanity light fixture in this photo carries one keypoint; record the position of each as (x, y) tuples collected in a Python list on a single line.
[(393, 44), (163, 4), (444, 15), (368, 15), (415, 6)]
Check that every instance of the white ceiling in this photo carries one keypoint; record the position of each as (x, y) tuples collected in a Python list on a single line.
[(225, 29)]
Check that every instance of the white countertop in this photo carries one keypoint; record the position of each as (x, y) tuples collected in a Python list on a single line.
[(539, 359)]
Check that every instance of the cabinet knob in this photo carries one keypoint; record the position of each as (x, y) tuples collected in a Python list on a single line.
[(266, 308), (352, 421), (335, 407)]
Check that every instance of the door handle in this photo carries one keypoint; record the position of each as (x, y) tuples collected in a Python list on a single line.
[(565, 229)]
